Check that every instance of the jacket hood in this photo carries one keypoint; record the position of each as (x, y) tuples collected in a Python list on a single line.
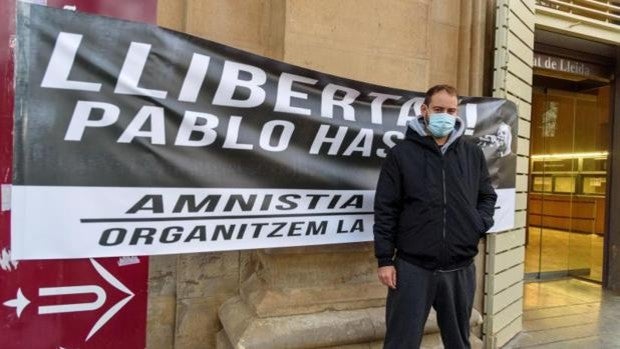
[(418, 126)]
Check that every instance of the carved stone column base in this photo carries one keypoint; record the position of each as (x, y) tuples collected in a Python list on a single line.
[(245, 329), (267, 301), (350, 329)]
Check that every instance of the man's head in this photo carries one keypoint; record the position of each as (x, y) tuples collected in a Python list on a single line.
[(440, 110), (504, 137), (440, 99)]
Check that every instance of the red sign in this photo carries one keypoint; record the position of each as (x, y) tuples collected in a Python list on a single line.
[(82, 303), (74, 303), (133, 10)]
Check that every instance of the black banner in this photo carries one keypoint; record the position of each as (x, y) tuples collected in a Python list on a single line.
[(102, 102)]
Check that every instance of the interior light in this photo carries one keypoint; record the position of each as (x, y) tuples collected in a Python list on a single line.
[(600, 154)]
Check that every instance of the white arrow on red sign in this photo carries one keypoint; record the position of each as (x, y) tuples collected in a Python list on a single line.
[(20, 301)]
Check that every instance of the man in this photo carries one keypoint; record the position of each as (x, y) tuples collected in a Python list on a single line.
[(433, 203)]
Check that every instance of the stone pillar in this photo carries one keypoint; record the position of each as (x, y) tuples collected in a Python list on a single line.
[(472, 42), (186, 291), (381, 42), (611, 276), (161, 302)]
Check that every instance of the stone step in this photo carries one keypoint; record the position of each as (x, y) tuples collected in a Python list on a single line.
[(243, 329), (429, 341)]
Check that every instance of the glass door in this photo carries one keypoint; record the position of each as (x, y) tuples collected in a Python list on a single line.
[(566, 208)]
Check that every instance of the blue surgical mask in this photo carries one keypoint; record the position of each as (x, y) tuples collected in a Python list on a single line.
[(441, 124)]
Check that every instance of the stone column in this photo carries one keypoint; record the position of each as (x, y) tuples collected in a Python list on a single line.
[(161, 302), (186, 291), (611, 276)]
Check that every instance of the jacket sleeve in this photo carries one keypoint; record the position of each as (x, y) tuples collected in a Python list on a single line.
[(486, 194), (388, 206)]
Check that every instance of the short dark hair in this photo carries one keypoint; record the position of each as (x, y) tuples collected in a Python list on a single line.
[(451, 90)]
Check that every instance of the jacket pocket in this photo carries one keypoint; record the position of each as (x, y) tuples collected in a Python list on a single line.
[(479, 223)]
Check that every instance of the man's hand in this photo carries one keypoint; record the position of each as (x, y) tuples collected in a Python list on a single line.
[(387, 276)]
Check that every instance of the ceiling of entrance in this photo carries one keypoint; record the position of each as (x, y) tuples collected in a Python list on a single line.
[(604, 51)]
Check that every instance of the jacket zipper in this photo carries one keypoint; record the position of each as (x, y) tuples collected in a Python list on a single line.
[(445, 203)]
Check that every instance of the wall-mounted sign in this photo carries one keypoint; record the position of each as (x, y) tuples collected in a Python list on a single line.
[(65, 303), (571, 66)]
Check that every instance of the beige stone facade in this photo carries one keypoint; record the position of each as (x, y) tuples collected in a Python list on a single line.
[(325, 296)]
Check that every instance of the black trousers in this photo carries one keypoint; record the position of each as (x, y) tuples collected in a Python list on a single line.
[(451, 293)]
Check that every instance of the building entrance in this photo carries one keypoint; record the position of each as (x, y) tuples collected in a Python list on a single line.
[(567, 198)]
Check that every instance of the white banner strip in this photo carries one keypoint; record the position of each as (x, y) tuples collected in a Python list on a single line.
[(504, 210), (79, 222)]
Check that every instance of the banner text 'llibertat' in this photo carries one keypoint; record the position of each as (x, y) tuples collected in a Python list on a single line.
[(240, 86)]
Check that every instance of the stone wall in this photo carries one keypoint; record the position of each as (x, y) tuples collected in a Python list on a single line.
[(410, 44)]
